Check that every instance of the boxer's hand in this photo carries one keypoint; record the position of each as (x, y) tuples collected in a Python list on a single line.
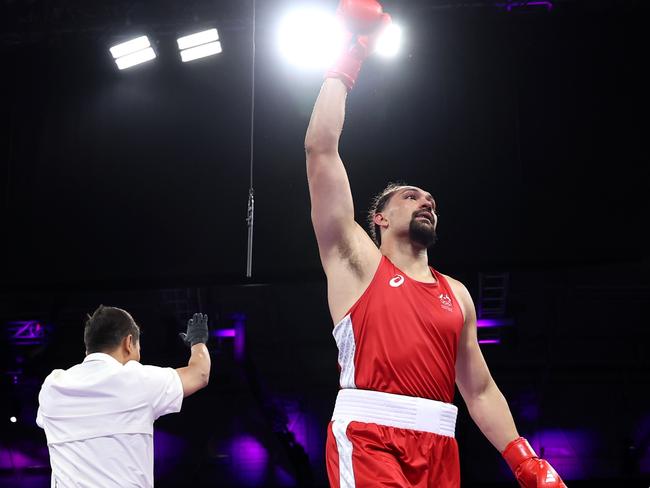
[(530, 470), (364, 22), (197, 330)]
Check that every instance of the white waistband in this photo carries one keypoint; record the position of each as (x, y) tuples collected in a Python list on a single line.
[(403, 412)]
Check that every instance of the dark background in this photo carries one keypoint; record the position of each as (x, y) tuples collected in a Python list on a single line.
[(529, 125)]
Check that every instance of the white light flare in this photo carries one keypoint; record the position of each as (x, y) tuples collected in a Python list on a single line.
[(310, 38), (389, 42)]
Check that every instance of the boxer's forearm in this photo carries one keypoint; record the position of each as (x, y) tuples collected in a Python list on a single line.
[(491, 413), (327, 118)]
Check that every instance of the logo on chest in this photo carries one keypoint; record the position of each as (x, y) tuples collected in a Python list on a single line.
[(445, 302), (396, 281)]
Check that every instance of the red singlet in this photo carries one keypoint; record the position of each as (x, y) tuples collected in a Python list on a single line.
[(400, 337)]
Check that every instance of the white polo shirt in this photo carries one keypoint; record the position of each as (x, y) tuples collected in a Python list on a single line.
[(98, 419)]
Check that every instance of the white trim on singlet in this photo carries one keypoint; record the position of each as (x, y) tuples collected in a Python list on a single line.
[(344, 447), (344, 336)]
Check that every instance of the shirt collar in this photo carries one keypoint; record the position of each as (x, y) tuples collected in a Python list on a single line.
[(101, 356)]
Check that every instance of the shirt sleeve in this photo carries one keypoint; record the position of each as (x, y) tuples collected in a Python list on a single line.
[(163, 389), (39, 418), (40, 421)]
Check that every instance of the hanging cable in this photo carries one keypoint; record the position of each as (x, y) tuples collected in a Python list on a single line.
[(250, 212)]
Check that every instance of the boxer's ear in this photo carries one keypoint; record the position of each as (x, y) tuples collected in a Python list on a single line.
[(380, 219)]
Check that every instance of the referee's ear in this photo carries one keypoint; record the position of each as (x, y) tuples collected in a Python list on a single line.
[(131, 348)]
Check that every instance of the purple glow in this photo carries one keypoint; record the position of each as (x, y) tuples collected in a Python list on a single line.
[(282, 478), (224, 333), (249, 460), (509, 6), (566, 450), (239, 322), (26, 332), (489, 341), (298, 427), (485, 323), (14, 459), (527, 406), (168, 451), (305, 430)]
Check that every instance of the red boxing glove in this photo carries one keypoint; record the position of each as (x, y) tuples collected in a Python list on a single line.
[(360, 16), (364, 21), (530, 471)]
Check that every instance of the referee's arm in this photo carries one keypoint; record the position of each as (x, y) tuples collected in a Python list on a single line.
[(196, 374)]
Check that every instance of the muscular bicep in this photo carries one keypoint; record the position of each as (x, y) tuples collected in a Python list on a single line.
[(332, 209), (339, 237)]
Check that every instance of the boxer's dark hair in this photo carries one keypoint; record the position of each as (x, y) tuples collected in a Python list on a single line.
[(106, 327), (378, 204)]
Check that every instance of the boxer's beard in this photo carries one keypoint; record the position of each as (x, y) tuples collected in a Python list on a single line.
[(423, 234)]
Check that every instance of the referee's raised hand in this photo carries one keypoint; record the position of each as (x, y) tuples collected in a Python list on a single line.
[(197, 330)]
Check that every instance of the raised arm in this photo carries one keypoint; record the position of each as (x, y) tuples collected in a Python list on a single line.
[(332, 210), (348, 255), (196, 374), (489, 409)]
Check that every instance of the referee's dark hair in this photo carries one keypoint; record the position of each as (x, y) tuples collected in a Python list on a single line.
[(106, 327)]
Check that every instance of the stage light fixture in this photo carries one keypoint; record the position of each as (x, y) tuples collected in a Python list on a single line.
[(13, 419), (199, 45), (133, 52)]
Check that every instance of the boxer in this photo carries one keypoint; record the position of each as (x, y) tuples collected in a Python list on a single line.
[(405, 332)]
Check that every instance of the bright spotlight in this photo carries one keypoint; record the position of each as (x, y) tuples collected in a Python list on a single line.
[(199, 45), (310, 38), (389, 41), (13, 420), (133, 52)]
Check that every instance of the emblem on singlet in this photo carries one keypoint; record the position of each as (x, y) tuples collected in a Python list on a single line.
[(445, 301), (396, 281)]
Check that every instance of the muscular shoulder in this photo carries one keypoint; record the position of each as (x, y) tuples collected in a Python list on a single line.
[(461, 293), (454, 282)]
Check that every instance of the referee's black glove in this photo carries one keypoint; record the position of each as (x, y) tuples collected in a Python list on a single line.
[(197, 330)]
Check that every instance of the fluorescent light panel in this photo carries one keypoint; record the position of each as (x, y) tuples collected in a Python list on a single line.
[(201, 51), (135, 58), (130, 47), (197, 39)]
